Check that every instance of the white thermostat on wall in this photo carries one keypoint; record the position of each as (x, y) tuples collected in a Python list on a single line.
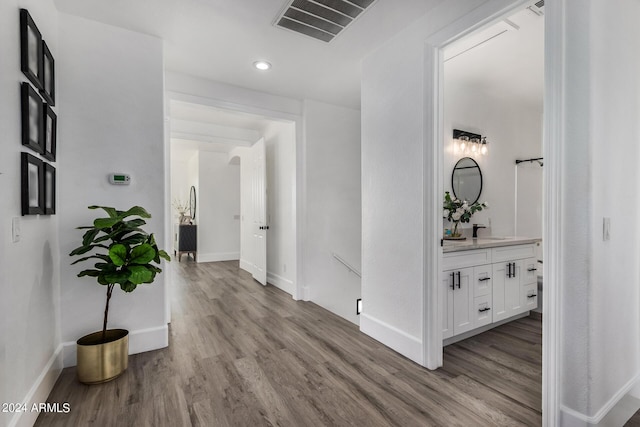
[(119, 179)]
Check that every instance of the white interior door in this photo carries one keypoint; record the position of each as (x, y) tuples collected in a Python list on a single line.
[(259, 207)]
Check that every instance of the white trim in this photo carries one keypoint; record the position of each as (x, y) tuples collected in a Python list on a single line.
[(613, 408), (39, 391), (218, 256), (140, 341), (553, 137), (405, 344), (281, 283)]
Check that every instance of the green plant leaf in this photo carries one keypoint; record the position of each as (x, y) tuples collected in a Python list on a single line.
[(164, 255), (112, 212), (134, 239), (90, 273), (139, 274), (99, 256), (105, 266), (128, 286), (137, 211), (89, 236), (142, 254), (121, 276), (134, 223), (103, 223), (118, 254)]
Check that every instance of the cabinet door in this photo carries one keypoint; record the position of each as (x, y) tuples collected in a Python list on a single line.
[(507, 291), (446, 303), (463, 312)]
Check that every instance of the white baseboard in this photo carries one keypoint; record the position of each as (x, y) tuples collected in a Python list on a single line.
[(615, 412), (281, 283), (218, 256), (405, 344), (140, 341), (40, 390)]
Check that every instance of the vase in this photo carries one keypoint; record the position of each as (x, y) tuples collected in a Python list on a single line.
[(455, 232), (101, 360)]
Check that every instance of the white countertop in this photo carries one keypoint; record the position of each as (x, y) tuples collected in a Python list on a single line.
[(486, 242)]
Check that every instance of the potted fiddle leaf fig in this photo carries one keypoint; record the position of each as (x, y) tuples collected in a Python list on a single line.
[(122, 253)]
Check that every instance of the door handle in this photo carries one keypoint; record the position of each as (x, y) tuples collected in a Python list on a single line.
[(453, 281), (458, 280)]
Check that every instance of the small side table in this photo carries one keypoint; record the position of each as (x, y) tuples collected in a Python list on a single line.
[(186, 241)]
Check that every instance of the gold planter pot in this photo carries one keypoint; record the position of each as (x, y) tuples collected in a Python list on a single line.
[(98, 361)]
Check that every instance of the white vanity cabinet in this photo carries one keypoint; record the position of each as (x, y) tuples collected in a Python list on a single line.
[(465, 290), (484, 286)]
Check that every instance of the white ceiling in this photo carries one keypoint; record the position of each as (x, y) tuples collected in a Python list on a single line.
[(220, 40), (505, 62)]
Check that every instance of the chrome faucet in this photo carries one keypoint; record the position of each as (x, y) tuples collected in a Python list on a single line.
[(475, 229)]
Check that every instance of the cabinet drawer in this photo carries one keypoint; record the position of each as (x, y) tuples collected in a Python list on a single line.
[(530, 297), (529, 272), (510, 253), (482, 316), (464, 259), (482, 280)]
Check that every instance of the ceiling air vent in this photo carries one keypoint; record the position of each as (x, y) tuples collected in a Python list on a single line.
[(321, 19), (537, 8)]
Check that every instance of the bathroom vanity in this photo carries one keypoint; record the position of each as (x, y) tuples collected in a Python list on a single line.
[(486, 282)]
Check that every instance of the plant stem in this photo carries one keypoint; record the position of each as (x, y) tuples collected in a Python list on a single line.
[(106, 311)]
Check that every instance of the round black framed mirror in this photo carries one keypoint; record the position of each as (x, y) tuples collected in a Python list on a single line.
[(192, 203), (466, 180)]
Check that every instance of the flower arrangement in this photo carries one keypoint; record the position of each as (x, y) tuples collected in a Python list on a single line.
[(180, 206), (457, 211)]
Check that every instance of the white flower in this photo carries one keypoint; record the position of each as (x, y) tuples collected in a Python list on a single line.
[(456, 216), (465, 205), (460, 210)]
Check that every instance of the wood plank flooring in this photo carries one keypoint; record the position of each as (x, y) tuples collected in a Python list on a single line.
[(242, 354)]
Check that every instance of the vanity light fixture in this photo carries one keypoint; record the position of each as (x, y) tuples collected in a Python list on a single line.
[(470, 143), (262, 65)]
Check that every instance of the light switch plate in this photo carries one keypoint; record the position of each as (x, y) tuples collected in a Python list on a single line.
[(606, 229), (15, 229)]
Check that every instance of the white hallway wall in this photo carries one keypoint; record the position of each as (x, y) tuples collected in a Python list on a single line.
[(111, 120), (514, 131), (333, 206), (30, 268), (218, 202)]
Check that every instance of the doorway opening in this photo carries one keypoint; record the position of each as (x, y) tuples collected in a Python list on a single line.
[(491, 119), (234, 159)]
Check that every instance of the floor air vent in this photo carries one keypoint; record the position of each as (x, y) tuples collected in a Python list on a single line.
[(321, 19)]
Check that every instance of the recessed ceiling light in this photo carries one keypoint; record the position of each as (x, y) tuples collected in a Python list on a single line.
[(262, 65)]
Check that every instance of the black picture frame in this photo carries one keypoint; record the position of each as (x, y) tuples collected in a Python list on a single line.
[(49, 189), (31, 59), (32, 185), (48, 90), (32, 119), (50, 133)]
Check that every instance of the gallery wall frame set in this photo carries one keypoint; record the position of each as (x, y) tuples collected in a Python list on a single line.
[(39, 121)]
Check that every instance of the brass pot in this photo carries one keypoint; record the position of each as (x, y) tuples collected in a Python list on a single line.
[(101, 361)]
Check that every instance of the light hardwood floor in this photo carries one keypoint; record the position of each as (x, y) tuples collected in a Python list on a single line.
[(241, 354)]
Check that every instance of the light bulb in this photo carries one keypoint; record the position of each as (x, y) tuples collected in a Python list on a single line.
[(483, 150)]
